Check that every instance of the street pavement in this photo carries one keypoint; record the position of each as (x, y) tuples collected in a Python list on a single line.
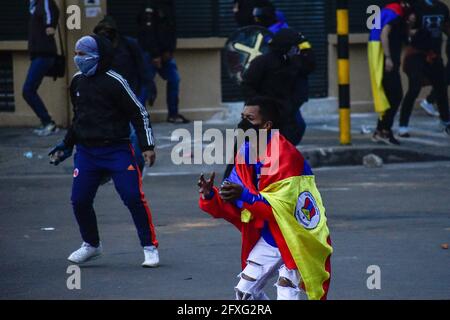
[(396, 218)]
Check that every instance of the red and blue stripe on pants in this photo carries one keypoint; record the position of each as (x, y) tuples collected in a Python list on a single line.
[(93, 163)]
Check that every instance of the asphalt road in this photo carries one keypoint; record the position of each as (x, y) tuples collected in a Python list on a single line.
[(395, 217)]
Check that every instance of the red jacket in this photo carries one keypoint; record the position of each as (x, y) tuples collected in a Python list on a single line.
[(291, 164)]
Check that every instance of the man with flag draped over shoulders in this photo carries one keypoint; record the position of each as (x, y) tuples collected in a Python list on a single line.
[(384, 56), (273, 200)]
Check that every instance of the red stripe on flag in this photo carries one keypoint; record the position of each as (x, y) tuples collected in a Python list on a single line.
[(326, 284)]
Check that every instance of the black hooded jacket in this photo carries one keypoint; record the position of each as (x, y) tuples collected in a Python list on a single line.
[(44, 15), (157, 28), (128, 59), (244, 16), (104, 105), (280, 76)]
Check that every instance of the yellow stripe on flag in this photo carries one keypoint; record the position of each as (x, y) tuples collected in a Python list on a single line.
[(303, 227), (376, 70)]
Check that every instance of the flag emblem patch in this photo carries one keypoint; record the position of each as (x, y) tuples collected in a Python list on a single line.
[(307, 212)]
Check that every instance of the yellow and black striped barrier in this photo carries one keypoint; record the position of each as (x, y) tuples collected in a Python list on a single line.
[(343, 71)]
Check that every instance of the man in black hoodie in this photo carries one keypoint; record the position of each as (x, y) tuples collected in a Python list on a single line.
[(277, 74), (42, 49), (157, 37), (128, 61), (104, 105), (243, 11)]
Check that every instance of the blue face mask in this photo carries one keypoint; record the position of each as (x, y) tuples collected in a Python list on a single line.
[(87, 64)]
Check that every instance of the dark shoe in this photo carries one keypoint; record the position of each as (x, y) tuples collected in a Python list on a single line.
[(403, 132), (391, 139), (386, 137), (376, 137), (177, 119), (447, 130)]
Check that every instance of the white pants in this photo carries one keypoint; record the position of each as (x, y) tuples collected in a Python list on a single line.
[(262, 263)]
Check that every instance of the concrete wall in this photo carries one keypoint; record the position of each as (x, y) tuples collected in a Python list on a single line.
[(54, 93)]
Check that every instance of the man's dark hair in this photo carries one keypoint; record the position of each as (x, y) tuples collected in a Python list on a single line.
[(269, 109)]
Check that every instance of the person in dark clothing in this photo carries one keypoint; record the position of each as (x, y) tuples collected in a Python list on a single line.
[(388, 96), (274, 20), (428, 103), (243, 11), (423, 61), (157, 37), (42, 48), (276, 75), (104, 105), (128, 61)]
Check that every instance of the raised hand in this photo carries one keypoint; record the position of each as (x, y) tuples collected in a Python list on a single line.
[(206, 185)]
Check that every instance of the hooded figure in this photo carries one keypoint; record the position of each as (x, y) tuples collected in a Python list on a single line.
[(98, 55), (87, 63), (265, 16), (243, 11), (282, 74), (103, 107), (128, 58)]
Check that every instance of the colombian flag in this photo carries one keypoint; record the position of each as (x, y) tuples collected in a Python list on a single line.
[(297, 206), (376, 57), (298, 210)]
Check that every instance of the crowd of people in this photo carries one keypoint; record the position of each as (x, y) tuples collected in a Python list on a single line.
[(138, 59), (419, 26), (280, 214), (113, 137)]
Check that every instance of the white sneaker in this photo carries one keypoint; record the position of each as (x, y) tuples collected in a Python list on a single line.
[(429, 108), (85, 253), (46, 130), (403, 132), (151, 257)]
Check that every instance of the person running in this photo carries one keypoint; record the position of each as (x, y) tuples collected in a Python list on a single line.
[(384, 56), (42, 49), (104, 105), (272, 199)]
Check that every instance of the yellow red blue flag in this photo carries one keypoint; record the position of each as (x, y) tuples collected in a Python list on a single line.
[(298, 209), (376, 57)]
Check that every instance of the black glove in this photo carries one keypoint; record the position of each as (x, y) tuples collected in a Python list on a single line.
[(60, 153)]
